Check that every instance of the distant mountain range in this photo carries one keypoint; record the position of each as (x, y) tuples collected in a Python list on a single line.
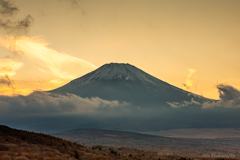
[(125, 82)]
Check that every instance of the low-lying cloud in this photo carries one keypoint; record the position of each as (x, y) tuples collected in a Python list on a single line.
[(229, 98), (183, 104), (46, 108), (44, 104)]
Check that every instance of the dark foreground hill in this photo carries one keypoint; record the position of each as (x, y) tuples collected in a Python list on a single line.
[(22, 145)]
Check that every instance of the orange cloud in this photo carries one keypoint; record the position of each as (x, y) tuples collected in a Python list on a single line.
[(9, 67), (61, 65), (14, 91), (189, 82)]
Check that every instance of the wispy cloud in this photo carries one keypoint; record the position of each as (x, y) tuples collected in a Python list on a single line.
[(20, 26), (6, 80), (73, 1), (8, 67), (61, 65), (11, 25), (188, 83), (7, 8)]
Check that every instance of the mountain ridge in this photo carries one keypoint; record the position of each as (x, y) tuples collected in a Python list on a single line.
[(125, 82)]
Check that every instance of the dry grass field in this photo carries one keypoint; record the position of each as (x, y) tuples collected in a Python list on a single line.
[(23, 145), (185, 147)]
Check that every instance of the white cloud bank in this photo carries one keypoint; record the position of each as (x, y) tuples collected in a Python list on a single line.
[(229, 98), (184, 104), (42, 103)]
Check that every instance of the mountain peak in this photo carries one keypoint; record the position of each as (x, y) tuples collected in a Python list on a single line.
[(116, 64), (125, 82), (119, 66), (118, 71)]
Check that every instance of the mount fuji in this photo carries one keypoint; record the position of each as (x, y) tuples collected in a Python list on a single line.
[(125, 82), (151, 104)]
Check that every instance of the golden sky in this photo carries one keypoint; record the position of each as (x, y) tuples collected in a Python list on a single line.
[(192, 44)]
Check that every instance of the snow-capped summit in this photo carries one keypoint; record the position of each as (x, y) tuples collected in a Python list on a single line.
[(110, 71), (125, 82), (116, 72)]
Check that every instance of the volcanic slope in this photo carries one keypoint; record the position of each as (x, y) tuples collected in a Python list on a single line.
[(125, 82)]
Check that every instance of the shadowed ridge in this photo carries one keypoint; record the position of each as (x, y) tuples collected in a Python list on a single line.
[(31, 137), (19, 144)]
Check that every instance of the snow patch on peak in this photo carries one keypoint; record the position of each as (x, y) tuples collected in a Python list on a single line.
[(120, 71), (117, 71)]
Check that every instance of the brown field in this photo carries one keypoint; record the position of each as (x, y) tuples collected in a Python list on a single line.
[(203, 133), (162, 145), (23, 145)]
